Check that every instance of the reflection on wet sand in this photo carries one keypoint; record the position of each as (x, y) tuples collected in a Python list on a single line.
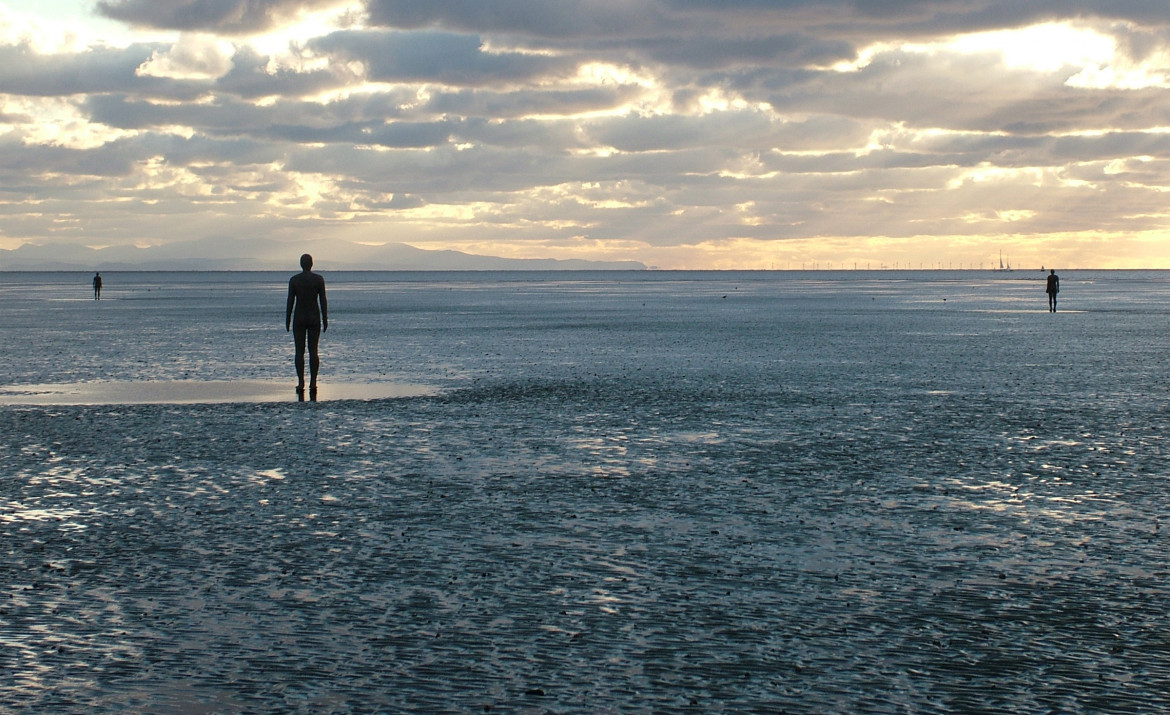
[(198, 392)]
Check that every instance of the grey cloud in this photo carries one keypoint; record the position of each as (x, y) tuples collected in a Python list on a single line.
[(124, 112), (21, 160), (119, 158), (10, 118), (622, 31), (640, 134), (397, 202), (554, 137), (423, 172), (849, 162), (443, 57), (548, 18), (367, 120), (706, 52), (745, 131), (819, 133), (25, 72), (1108, 146), (284, 122), (359, 119), (959, 93), (935, 16), (968, 151), (1069, 110), (400, 135), (1140, 43), (528, 102), (665, 169), (103, 69), (852, 20), (251, 78), (447, 169), (181, 151), (225, 16)]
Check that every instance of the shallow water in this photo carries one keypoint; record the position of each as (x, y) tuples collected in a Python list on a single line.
[(178, 392), (829, 492)]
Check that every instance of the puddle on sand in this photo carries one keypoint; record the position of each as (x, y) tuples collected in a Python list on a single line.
[(198, 391)]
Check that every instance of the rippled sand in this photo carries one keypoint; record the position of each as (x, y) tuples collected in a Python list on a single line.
[(621, 497)]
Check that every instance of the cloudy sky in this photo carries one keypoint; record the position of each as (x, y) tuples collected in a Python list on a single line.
[(681, 133)]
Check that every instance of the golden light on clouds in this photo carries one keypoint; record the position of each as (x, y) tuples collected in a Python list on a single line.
[(712, 137)]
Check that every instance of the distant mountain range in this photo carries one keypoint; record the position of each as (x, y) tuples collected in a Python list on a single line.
[(231, 254)]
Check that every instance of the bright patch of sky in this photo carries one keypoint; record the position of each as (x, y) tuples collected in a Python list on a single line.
[(1054, 47), (286, 42), (1042, 48), (1090, 57), (51, 26)]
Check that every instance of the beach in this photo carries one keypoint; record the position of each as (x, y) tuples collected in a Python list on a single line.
[(852, 491)]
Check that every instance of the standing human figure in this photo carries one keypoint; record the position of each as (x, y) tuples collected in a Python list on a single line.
[(1052, 289), (306, 290), (97, 286)]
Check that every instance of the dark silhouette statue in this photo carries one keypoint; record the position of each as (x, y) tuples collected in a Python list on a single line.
[(1052, 289), (306, 291), (97, 286)]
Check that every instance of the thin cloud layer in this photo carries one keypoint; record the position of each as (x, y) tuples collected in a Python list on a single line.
[(682, 133)]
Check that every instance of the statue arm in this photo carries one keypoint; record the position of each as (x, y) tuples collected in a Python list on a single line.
[(324, 307), (288, 307)]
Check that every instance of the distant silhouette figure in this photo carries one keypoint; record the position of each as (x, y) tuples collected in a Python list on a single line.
[(305, 291), (1052, 289), (97, 286)]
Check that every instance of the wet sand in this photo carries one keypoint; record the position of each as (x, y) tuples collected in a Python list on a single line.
[(644, 497)]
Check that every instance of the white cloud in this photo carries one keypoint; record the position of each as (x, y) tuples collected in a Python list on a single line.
[(191, 57)]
